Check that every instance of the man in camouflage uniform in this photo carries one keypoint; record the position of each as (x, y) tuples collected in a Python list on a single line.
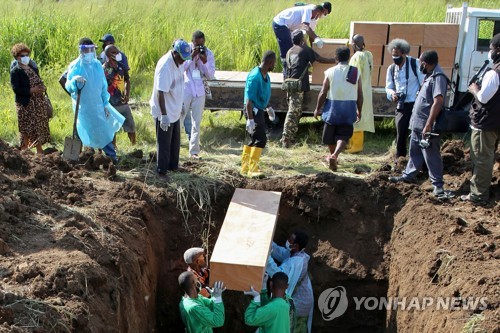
[(298, 58)]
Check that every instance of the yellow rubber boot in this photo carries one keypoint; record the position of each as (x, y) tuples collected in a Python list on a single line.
[(254, 171), (245, 160), (355, 144)]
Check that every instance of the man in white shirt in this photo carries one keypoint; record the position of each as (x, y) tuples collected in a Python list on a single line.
[(290, 19), (200, 68), (485, 127), (166, 105)]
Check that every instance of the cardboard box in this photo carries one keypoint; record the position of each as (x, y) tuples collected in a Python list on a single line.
[(373, 32), (318, 72), (414, 52), (377, 53), (382, 75), (375, 75), (446, 55), (447, 71), (242, 248), (413, 33), (440, 35), (329, 47)]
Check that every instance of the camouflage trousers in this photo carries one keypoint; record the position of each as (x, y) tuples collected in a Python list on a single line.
[(292, 117)]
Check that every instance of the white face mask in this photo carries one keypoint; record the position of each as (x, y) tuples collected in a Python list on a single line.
[(88, 57), (25, 60), (287, 245), (490, 56), (118, 57)]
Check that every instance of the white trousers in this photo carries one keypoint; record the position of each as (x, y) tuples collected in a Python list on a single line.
[(193, 107)]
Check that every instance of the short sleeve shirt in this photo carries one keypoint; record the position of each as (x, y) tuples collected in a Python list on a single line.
[(300, 57), (116, 78), (434, 85), (169, 78), (293, 17), (258, 89)]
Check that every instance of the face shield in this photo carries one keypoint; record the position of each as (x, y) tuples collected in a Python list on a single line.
[(87, 53)]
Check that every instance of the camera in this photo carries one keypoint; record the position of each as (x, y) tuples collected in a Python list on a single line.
[(201, 49), (401, 96), (425, 143)]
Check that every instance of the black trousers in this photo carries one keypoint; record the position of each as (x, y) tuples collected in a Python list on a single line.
[(168, 145), (402, 132), (259, 138)]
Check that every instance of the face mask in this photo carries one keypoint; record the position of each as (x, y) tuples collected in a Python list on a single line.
[(493, 57), (198, 286), (287, 245), (25, 60), (397, 60), (88, 57), (118, 57), (423, 69)]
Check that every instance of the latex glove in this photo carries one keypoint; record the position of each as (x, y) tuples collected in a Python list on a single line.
[(217, 291), (264, 281), (254, 293), (80, 79), (319, 43), (250, 126), (271, 113), (164, 122)]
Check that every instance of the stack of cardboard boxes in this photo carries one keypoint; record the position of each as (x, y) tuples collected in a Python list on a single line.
[(441, 37)]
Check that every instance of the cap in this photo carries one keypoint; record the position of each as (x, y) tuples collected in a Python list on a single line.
[(297, 36), (327, 6), (182, 47), (191, 254), (107, 38)]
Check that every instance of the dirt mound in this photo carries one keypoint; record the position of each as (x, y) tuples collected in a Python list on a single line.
[(83, 252)]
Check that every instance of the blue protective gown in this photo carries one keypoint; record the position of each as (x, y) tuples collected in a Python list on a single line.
[(95, 129)]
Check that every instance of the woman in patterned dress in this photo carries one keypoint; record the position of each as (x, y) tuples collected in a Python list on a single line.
[(32, 117)]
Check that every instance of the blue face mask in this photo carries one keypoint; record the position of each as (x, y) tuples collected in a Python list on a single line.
[(88, 57)]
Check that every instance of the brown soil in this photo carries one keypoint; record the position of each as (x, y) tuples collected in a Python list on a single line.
[(83, 251)]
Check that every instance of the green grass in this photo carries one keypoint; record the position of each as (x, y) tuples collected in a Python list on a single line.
[(237, 31)]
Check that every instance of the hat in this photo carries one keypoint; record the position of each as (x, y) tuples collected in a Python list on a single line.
[(182, 47), (327, 6), (297, 36), (191, 254), (107, 38)]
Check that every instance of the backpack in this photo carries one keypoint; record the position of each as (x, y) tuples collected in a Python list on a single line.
[(413, 64)]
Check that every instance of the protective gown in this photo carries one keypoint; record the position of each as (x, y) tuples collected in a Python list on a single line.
[(95, 128), (299, 284)]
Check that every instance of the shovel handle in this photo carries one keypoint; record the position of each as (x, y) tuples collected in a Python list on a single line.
[(79, 94)]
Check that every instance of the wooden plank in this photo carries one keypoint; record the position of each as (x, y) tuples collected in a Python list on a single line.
[(413, 33), (440, 35), (373, 32), (240, 253), (446, 55)]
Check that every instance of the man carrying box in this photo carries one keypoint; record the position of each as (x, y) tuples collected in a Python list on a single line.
[(200, 314), (271, 315)]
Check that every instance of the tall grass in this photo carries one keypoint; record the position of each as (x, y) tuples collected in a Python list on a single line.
[(238, 32)]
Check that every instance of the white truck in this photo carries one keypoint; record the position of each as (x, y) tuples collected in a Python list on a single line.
[(476, 28)]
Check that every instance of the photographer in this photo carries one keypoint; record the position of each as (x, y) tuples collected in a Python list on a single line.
[(424, 145), (485, 127), (403, 80), (200, 68)]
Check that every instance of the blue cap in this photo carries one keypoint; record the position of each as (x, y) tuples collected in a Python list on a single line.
[(107, 38), (182, 47)]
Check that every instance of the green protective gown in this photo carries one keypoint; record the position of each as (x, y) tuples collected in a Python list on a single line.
[(271, 315), (201, 314)]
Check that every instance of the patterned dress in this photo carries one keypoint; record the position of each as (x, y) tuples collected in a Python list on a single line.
[(32, 119)]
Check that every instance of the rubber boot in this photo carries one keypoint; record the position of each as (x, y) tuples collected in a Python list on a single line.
[(254, 171), (355, 144), (245, 160)]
